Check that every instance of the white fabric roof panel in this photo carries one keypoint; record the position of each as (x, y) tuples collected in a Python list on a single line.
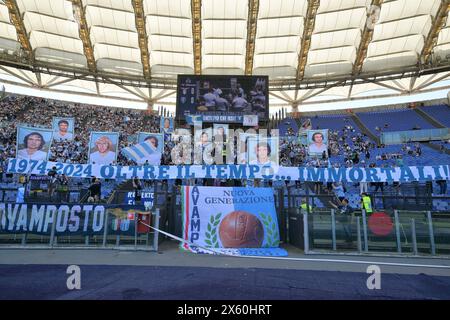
[(278, 37), (339, 5), (65, 58), (169, 31), (223, 46), (97, 16), (223, 61), (391, 62), (283, 44), (114, 37), (171, 59), (339, 20), (170, 44), (402, 9), (395, 29), (226, 29), (55, 8), (226, 23), (122, 5), (40, 39), (328, 69), (169, 26), (170, 71), (336, 38), (413, 43), (276, 59), (38, 22), (103, 50), (351, 37), (278, 72), (8, 31), (229, 9), (119, 66), (276, 27), (168, 8), (286, 8), (4, 14)]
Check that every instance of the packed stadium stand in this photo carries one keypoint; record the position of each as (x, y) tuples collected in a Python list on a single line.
[(349, 145)]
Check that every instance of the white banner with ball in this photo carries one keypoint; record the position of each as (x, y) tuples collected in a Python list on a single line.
[(238, 220)]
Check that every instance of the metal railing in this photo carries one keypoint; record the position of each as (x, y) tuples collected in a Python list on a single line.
[(395, 232), (147, 241)]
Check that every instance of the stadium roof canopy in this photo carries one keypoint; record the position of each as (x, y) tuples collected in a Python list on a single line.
[(312, 50)]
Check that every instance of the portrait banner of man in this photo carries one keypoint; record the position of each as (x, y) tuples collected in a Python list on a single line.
[(263, 151), (63, 128), (220, 132), (317, 142), (33, 143), (166, 125), (103, 147), (242, 146), (203, 146), (153, 155)]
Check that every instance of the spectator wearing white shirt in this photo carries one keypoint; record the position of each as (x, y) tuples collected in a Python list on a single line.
[(210, 100), (239, 103)]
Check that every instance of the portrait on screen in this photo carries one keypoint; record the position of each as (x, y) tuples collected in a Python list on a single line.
[(33, 143), (63, 128), (103, 147)]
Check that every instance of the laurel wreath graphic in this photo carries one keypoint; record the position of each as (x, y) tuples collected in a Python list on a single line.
[(273, 237), (211, 233)]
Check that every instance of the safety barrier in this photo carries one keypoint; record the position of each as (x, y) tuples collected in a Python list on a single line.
[(388, 232), (96, 226)]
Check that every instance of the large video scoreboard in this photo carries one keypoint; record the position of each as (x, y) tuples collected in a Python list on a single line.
[(222, 98)]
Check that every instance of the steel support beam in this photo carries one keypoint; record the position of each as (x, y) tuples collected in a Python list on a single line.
[(366, 37), (22, 36), (196, 8), (308, 29), (83, 30), (438, 23), (253, 8), (142, 35)]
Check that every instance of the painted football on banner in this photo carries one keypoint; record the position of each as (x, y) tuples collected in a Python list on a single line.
[(241, 229)]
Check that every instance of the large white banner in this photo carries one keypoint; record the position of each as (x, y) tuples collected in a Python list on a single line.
[(230, 218), (352, 175)]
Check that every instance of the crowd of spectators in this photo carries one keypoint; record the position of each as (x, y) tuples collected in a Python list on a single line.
[(38, 112), (346, 147)]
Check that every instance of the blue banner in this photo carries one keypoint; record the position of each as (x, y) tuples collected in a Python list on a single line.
[(80, 219)]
